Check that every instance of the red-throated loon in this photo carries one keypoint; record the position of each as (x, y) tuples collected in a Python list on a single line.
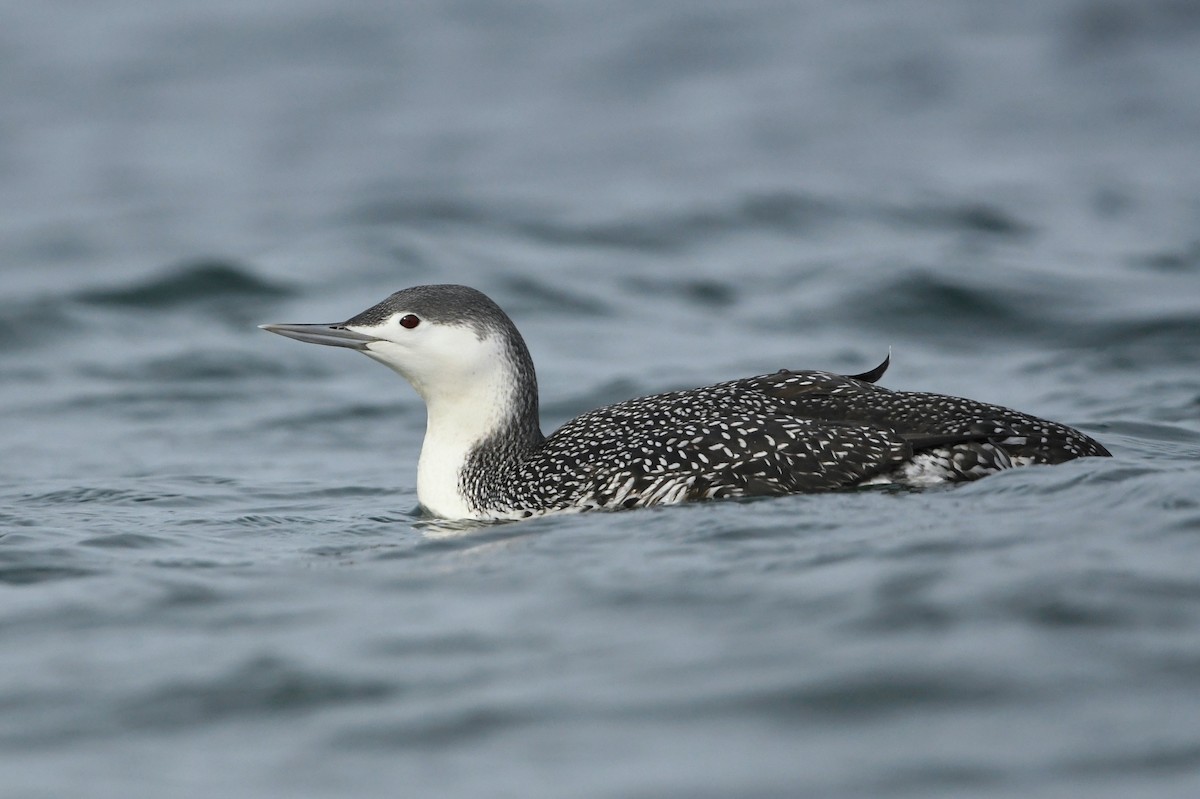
[(484, 455)]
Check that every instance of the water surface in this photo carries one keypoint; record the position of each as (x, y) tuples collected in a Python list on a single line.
[(213, 577)]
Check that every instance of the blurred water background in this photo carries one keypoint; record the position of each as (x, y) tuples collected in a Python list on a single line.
[(213, 577)]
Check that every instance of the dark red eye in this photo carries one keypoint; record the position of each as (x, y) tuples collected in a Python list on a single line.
[(410, 321)]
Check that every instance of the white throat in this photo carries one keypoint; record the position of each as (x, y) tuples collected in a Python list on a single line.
[(454, 427), (469, 390)]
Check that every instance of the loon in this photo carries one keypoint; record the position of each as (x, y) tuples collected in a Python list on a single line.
[(484, 455)]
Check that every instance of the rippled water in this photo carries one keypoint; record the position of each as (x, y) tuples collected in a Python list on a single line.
[(213, 577)]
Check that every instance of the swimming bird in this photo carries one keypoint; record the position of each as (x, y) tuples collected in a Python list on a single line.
[(484, 455)]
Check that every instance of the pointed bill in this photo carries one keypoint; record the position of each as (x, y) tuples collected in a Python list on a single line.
[(329, 335)]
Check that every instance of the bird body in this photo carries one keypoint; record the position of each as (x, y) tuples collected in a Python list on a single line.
[(484, 455)]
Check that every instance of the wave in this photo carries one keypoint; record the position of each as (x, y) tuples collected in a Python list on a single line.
[(788, 212), (199, 281)]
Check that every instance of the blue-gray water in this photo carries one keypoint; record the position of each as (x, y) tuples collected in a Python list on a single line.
[(213, 580)]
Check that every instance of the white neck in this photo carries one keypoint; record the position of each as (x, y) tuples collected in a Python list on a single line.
[(455, 426), (468, 388)]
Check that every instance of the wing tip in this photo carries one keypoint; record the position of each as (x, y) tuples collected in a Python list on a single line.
[(872, 375)]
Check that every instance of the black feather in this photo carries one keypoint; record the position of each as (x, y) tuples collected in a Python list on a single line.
[(872, 375)]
